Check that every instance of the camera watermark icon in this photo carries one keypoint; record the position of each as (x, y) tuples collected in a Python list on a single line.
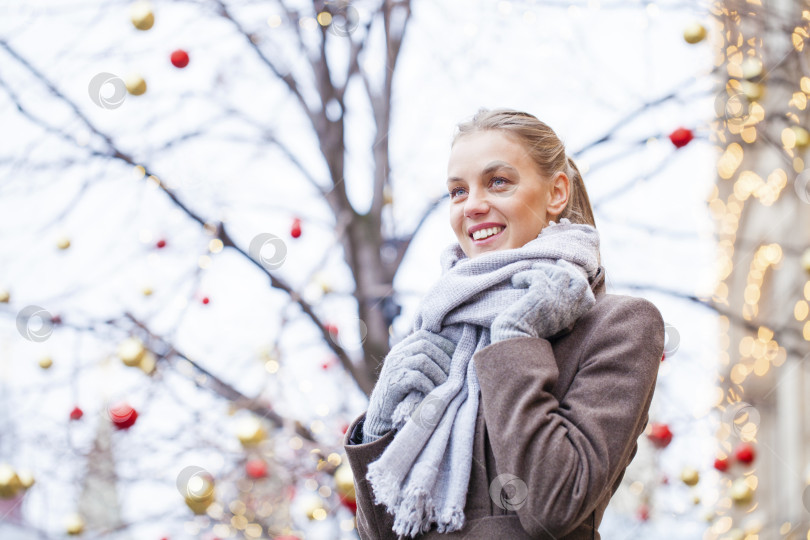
[(732, 105), (429, 412), (353, 341), (345, 18), (99, 82), (672, 339), (508, 491), (743, 418), (802, 186), (264, 242), (26, 321), (195, 483)]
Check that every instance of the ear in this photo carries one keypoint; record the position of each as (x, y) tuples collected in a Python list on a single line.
[(559, 191)]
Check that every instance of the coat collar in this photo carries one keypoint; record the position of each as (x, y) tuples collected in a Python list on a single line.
[(598, 282)]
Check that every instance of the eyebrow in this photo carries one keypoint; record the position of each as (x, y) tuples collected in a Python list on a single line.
[(491, 167)]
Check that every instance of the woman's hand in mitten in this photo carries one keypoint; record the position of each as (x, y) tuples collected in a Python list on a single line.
[(418, 363), (556, 296)]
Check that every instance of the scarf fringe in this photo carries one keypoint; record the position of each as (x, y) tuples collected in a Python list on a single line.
[(385, 486), (416, 513), (451, 520)]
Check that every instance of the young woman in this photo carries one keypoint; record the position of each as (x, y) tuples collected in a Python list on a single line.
[(514, 407)]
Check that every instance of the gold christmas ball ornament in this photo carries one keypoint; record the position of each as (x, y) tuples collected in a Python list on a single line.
[(322, 281), (753, 91), (741, 492), (5, 296), (690, 476), (806, 266), (249, 430), (200, 493), (141, 15), (694, 33), (63, 242), (802, 136), (751, 68), (344, 482), (148, 362), (26, 479), (147, 291), (74, 524), (130, 351), (135, 85), (388, 195), (9, 481), (45, 362), (314, 508)]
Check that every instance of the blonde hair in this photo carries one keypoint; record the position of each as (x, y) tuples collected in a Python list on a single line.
[(545, 149)]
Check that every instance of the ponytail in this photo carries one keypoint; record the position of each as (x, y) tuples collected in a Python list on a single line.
[(578, 209)]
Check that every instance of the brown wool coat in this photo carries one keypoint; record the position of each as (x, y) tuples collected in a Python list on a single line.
[(562, 414)]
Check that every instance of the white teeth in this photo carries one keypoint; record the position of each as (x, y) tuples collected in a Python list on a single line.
[(484, 233)]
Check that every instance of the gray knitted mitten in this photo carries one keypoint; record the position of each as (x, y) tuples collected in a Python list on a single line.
[(420, 362), (557, 295)]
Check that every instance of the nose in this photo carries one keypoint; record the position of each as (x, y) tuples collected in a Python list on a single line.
[(477, 203)]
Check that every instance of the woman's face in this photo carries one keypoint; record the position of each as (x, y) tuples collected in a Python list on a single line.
[(495, 187)]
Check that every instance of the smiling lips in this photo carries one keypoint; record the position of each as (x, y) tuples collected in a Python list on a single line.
[(485, 234)]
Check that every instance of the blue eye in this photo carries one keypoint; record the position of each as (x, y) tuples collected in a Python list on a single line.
[(454, 192), (503, 181)]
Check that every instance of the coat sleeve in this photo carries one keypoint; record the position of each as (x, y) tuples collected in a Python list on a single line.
[(570, 452), (373, 521)]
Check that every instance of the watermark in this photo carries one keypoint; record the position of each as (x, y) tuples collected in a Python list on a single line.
[(672, 339), (802, 186), (429, 412), (353, 341), (508, 491), (345, 18), (195, 483), (98, 82), (26, 323), (732, 104), (743, 419), (264, 242)]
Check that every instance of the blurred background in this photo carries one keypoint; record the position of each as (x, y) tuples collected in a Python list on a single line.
[(216, 217)]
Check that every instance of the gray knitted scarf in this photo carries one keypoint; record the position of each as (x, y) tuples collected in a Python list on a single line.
[(423, 475)]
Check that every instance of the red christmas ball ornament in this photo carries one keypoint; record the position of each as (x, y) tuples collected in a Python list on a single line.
[(123, 416), (256, 468), (205, 300), (681, 137), (344, 428), (332, 329), (643, 512), (76, 413), (664, 355), (349, 503), (744, 453), (56, 319), (329, 362), (179, 58), (295, 230), (721, 464), (160, 244), (659, 435)]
